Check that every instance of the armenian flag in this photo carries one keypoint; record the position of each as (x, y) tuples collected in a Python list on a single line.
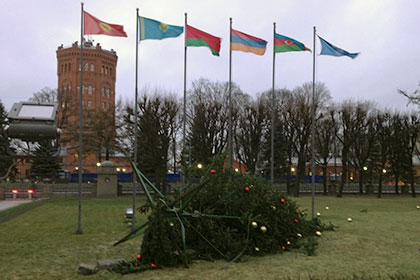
[(198, 38), (286, 44), (93, 25), (247, 43)]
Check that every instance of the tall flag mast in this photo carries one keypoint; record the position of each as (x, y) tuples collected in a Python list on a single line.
[(240, 41), (313, 132), (146, 29), (89, 25), (281, 43)]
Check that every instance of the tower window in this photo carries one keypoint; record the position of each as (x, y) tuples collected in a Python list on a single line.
[(108, 92), (86, 67), (90, 90), (89, 103), (103, 69), (103, 92), (92, 68), (106, 70)]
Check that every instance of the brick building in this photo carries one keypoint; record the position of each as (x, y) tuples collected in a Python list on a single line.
[(99, 77)]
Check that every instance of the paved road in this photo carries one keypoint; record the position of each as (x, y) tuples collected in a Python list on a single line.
[(5, 204)]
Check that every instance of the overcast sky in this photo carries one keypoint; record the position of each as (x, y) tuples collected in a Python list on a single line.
[(386, 32)]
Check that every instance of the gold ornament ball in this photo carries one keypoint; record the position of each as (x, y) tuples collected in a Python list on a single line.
[(263, 228), (318, 214), (254, 224), (418, 206), (349, 220), (318, 233), (257, 249), (327, 208), (299, 235), (171, 224), (288, 243), (273, 207)]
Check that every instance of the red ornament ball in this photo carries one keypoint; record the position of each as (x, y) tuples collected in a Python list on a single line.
[(153, 265), (282, 200), (296, 221), (283, 248), (247, 189), (213, 171), (297, 211), (138, 257)]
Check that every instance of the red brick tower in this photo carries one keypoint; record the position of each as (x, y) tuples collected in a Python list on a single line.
[(99, 76)]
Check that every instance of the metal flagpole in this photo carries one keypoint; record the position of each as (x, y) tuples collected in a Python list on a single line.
[(185, 103), (230, 138), (273, 108), (133, 221), (313, 131), (79, 222)]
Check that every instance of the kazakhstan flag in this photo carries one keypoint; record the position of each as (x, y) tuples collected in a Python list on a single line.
[(153, 29)]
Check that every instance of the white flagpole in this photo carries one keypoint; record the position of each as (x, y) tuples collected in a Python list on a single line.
[(313, 131), (79, 222)]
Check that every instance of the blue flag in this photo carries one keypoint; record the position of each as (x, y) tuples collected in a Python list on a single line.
[(329, 49), (153, 29)]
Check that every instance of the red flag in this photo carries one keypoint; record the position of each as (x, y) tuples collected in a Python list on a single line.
[(93, 25)]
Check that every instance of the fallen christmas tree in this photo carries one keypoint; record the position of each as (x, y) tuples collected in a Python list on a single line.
[(224, 217)]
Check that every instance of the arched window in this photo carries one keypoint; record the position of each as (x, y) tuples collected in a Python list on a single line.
[(65, 67), (103, 69), (92, 68), (103, 92), (90, 90), (87, 67), (108, 92), (106, 70), (89, 103)]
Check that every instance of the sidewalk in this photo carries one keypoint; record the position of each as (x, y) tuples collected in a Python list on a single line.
[(6, 204)]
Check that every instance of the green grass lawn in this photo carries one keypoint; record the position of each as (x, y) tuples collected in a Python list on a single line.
[(382, 240)]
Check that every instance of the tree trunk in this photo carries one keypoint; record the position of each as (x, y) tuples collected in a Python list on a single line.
[(324, 171), (344, 174), (380, 184), (413, 188), (361, 180), (397, 179)]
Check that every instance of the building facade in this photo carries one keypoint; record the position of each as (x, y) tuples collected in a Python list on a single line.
[(99, 78)]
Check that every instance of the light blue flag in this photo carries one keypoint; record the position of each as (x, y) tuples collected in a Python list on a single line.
[(153, 29), (328, 49)]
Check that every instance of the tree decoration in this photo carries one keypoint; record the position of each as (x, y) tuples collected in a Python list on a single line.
[(215, 221), (273, 208), (318, 233), (247, 189), (318, 214), (349, 220), (138, 257)]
